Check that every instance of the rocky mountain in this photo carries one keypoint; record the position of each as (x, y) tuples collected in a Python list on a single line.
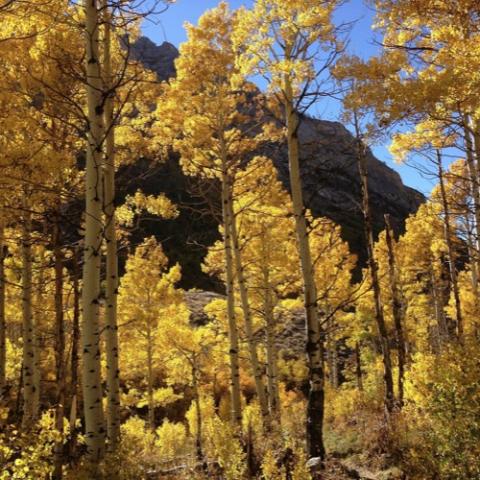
[(330, 180), (158, 58)]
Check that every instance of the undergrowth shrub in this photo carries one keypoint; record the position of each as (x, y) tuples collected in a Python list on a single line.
[(443, 414)]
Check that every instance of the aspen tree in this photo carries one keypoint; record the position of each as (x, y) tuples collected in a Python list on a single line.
[(91, 377), (423, 76), (234, 350), (59, 344), (452, 268), (186, 352), (111, 274), (270, 346), (472, 160), (265, 240), (396, 307), (30, 376), (389, 399), (204, 106), (429, 137), (358, 367), (257, 373), (75, 342), (419, 260), (3, 326), (280, 41), (147, 294)]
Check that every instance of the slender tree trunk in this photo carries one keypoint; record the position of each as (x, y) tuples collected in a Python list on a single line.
[(358, 367), (232, 323), (389, 400), (198, 417), (438, 305), (59, 346), (271, 349), (335, 372), (247, 315), (91, 374), (450, 249), (19, 399), (30, 404), (150, 400), (39, 323), (472, 255), (111, 327), (74, 354), (332, 355), (473, 159), (314, 347), (3, 326), (396, 308)]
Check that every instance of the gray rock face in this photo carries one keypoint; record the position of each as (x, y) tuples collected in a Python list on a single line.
[(196, 301), (158, 58), (331, 182)]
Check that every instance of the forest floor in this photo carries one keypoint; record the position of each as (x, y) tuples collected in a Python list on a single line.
[(334, 471), (343, 469)]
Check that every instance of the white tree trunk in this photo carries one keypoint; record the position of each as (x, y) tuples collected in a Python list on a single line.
[(232, 323), (91, 379), (315, 406), (247, 316), (151, 404), (396, 308), (452, 268), (30, 376), (389, 397), (473, 159), (3, 326), (111, 326), (271, 348), (59, 346)]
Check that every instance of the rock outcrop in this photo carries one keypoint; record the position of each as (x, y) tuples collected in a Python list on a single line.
[(158, 58)]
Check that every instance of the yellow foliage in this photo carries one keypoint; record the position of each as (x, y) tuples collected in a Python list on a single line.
[(171, 439), (223, 444)]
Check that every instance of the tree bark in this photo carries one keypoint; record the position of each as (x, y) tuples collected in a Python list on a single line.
[(332, 355), (396, 308), (198, 417), (450, 250), (3, 326), (74, 354), (473, 159), (150, 400), (30, 386), (247, 315), (438, 305), (111, 325), (232, 323), (472, 253), (272, 367), (314, 347), (271, 349), (358, 367), (59, 347), (92, 385), (389, 400)]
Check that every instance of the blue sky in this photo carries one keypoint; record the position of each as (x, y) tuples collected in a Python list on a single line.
[(169, 27)]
